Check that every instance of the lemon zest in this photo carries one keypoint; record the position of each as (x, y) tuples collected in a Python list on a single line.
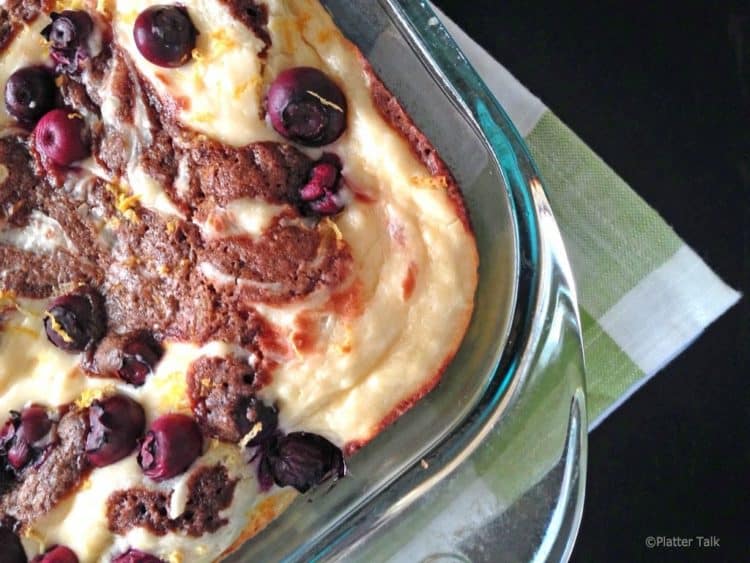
[(345, 347), (254, 431), (325, 101), (335, 228), (88, 396), (171, 388), (125, 202), (197, 55), (58, 328)]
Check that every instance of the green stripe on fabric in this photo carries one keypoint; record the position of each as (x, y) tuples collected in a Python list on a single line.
[(604, 222), (609, 370)]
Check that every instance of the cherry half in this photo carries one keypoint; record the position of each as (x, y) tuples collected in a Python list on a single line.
[(115, 425), (61, 137), (56, 554), (171, 445)]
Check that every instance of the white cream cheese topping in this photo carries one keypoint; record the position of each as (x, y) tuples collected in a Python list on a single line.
[(244, 216), (220, 92), (41, 235)]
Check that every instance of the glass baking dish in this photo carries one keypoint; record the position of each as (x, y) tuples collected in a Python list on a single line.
[(490, 465)]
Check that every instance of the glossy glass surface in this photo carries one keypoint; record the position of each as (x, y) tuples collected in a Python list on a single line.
[(509, 415)]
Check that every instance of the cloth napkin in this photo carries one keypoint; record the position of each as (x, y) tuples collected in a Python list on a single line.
[(644, 296)]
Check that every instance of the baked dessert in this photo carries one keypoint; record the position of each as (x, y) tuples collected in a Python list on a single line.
[(228, 259)]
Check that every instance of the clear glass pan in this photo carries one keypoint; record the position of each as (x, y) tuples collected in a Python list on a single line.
[(509, 416)]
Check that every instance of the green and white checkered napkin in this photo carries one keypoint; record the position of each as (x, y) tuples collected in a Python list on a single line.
[(644, 295)]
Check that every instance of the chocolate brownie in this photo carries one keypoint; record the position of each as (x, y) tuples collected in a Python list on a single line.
[(41, 485), (221, 390), (210, 491), (19, 181)]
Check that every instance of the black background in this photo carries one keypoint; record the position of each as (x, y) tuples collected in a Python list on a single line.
[(660, 90)]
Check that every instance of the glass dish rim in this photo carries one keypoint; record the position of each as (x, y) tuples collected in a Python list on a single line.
[(541, 270)]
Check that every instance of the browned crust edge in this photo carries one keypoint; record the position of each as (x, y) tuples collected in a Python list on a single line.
[(391, 110), (352, 447), (395, 115)]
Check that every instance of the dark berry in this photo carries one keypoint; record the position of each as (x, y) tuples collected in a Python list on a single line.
[(56, 554), (302, 460), (26, 436), (306, 106), (76, 321), (69, 29), (67, 35), (171, 445), (140, 354), (165, 35), (61, 137), (320, 195), (30, 93), (135, 556), (257, 420), (11, 548), (115, 425)]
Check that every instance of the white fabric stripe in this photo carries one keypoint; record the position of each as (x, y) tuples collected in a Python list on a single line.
[(523, 108), (667, 310)]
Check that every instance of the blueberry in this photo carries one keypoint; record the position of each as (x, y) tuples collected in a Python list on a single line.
[(67, 35), (165, 35), (76, 321), (30, 93), (69, 29), (307, 107), (302, 460)]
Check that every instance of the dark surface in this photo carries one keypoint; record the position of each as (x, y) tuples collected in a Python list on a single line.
[(660, 91)]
